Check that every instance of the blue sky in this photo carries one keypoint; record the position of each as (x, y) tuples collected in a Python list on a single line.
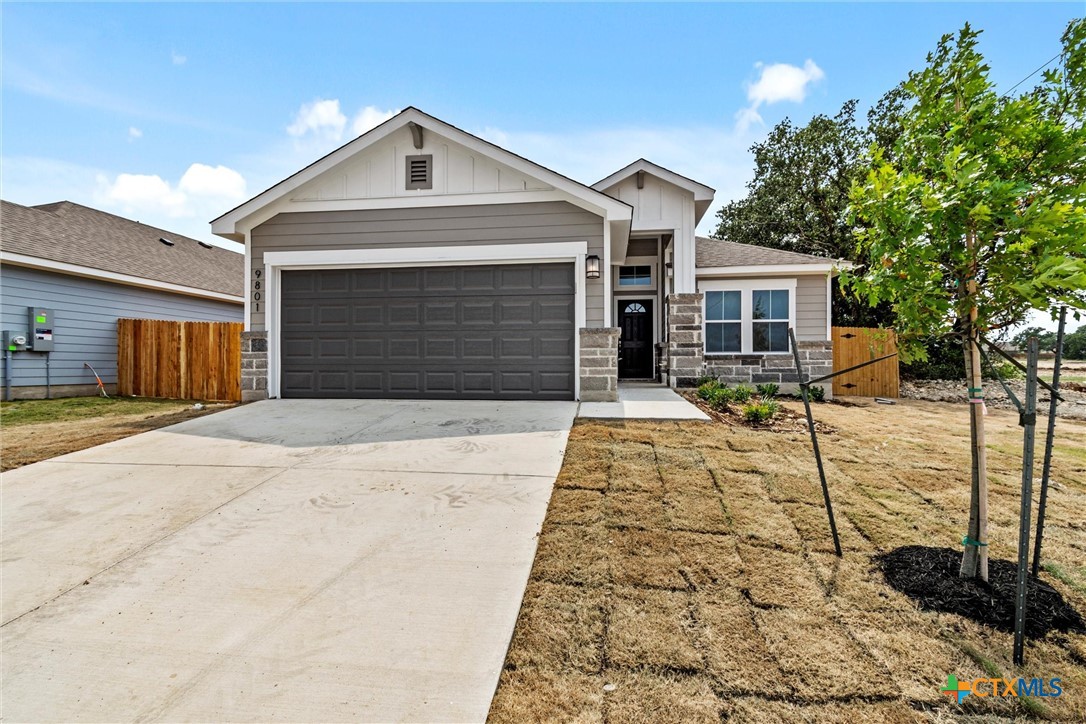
[(172, 114)]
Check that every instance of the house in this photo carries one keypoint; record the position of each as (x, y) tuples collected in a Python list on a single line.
[(420, 261), (80, 270)]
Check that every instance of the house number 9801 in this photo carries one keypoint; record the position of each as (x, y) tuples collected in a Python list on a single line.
[(256, 285)]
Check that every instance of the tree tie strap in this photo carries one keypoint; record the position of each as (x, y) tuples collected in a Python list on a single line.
[(967, 541)]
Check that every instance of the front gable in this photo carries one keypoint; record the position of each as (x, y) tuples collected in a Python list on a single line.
[(370, 172), (380, 171)]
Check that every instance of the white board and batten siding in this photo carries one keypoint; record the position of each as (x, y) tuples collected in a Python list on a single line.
[(85, 328), (379, 172), (663, 207), (429, 226)]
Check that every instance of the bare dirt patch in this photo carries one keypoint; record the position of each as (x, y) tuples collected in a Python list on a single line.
[(685, 573), (35, 430)]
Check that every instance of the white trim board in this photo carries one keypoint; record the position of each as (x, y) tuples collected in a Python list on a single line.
[(61, 267), (768, 269), (275, 262)]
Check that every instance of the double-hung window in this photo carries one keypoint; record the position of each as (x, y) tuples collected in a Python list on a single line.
[(723, 321), (769, 320), (748, 315)]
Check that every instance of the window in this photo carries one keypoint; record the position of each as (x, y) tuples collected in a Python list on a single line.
[(748, 316), (769, 316), (635, 308), (635, 276), (723, 321)]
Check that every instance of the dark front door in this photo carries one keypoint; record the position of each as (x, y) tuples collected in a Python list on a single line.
[(635, 353)]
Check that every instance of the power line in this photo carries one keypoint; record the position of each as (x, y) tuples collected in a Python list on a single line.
[(1042, 67)]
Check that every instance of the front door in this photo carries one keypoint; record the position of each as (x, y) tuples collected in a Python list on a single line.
[(635, 353)]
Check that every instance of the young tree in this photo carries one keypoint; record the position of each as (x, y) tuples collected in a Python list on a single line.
[(977, 214)]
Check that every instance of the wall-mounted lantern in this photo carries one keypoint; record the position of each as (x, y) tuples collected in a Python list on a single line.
[(592, 267)]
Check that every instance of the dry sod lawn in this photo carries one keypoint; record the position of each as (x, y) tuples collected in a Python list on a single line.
[(685, 573)]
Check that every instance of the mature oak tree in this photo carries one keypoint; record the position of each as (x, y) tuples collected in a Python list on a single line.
[(798, 198), (975, 214)]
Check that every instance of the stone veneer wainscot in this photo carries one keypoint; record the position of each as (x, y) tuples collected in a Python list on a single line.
[(599, 364), (254, 366)]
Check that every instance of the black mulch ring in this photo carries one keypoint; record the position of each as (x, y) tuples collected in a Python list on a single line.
[(929, 576)]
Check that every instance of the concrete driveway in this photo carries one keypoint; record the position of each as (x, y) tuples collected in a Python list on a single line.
[(295, 560)]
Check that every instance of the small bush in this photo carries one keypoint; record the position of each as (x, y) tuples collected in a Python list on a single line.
[(761, 411), (742, 393), (719, 398), (706, 389), (818, 394), (707, 379), (768, 389)]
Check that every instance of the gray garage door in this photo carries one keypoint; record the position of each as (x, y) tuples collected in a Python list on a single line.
[(468, 332)]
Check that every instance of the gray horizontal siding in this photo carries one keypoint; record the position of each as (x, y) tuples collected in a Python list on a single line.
[(86, 320), (434, 226)]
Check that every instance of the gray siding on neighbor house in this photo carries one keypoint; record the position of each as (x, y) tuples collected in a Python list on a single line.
[(86, 312), (529, 223)]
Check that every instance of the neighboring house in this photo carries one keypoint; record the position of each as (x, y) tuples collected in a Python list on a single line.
[(91, 268), (419, 261)]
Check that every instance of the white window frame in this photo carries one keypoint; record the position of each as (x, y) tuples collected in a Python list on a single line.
[(746, 288), (275, 262)]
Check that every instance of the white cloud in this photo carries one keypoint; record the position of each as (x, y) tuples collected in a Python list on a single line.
[(213, 181), (177, 58), (201, 193), (777, 82), (370, 117), (134, 133), (783, 82), (321, 118)]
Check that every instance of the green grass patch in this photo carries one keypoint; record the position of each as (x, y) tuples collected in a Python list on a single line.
[(1063, 576), (1031, 706), (30, 412)]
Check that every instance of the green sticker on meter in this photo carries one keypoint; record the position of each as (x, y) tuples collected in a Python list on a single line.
[(41, 319)]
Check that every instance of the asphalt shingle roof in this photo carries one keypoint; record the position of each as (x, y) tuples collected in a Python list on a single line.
[(717, 252), (75, 234)]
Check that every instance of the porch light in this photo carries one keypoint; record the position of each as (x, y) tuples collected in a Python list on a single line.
[(670, 269), (592, 267)]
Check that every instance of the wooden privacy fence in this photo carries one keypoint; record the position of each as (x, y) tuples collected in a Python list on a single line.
[(179, 360), (856, 345)]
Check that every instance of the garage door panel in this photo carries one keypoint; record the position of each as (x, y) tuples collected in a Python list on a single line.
[(489, 332)]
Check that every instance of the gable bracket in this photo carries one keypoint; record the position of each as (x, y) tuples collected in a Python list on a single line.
[(416, 134)]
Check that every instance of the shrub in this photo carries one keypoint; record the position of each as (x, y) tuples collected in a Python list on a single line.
[(706, 389), (707, 379), (719, 398), (768, 389), (761, 411), (742, 393), (817, 393)]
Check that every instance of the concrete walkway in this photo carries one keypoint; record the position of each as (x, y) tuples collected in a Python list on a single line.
[(285, 560), (643, 401)]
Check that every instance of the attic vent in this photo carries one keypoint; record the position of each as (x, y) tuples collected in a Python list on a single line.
[(165, 241), (204, 244), (420, 172)]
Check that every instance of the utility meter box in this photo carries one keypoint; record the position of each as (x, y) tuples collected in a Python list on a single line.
[(15, 340), (40, 326)]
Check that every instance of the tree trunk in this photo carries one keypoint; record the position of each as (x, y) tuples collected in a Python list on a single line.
[(975, 556)]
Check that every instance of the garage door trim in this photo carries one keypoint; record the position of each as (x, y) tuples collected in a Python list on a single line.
[(275, 262)]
